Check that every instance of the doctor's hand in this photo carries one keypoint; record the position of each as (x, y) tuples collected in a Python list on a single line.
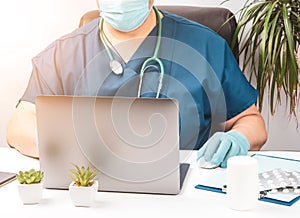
[(223, 145)]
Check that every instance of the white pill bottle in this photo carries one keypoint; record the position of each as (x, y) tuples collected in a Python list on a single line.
[(242, 182)]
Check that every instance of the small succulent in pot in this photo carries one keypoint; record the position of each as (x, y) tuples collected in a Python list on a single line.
[(84, 187), (31, 186)]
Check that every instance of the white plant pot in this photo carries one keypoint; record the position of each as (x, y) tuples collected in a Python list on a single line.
[(83, 196), (31, 193)]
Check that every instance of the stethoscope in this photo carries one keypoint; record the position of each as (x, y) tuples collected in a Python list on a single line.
[(117, 67)]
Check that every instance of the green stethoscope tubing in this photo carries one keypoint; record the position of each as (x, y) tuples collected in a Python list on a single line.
[(146, 63)]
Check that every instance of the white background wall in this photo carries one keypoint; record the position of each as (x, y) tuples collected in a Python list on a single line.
[(29, 26)]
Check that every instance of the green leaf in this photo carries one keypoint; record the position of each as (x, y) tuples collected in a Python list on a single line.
[(290, 40), (83, 176)]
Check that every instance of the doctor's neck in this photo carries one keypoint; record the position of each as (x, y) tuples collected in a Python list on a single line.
[(116, 36)]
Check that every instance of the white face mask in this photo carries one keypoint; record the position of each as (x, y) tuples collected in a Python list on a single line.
[(124, 15)]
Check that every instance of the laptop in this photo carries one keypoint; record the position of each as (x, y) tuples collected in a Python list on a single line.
[(133, 143)]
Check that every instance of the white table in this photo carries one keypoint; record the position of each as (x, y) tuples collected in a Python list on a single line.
[(190, 202)]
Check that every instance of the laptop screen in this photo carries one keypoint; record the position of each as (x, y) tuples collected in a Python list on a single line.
[(133, 141)]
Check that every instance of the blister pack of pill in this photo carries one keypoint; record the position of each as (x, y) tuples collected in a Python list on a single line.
[(278, 180), (272, 179), (294, 178)]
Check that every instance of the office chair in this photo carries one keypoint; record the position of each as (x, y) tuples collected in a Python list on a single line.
[(213, 17)]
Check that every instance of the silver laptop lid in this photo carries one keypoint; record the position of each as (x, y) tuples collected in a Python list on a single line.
[(132, 142)]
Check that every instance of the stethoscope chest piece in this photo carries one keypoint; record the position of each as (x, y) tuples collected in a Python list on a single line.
[(116, 67)]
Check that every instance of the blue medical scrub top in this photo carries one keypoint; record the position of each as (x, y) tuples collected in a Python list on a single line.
[(200, 72)]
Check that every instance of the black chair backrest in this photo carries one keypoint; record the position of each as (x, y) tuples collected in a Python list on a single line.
[(215, 18)]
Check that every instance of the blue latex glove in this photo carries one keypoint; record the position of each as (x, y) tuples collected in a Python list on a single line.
[(223, 145)]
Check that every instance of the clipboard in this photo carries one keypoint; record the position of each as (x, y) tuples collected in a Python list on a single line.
[(266, 163)]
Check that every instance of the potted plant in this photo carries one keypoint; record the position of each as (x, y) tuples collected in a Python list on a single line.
[(30, 186), (269, 34), (84, 187)]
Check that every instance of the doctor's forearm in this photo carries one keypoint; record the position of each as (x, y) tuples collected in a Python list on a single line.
[(21, 132), (22, 139), (24, 144), (251, 124), (253, 128)]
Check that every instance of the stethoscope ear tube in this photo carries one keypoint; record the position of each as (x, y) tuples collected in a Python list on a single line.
[(114, 65)]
